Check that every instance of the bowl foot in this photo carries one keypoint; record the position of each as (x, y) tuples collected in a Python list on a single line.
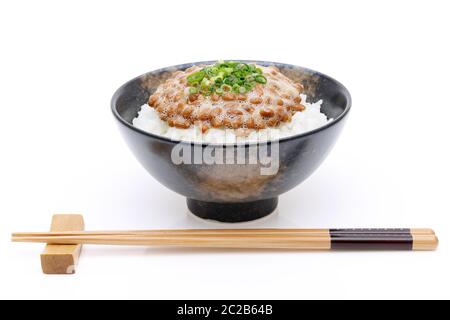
[(232, 212)]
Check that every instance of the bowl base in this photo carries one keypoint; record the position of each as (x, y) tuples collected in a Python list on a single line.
[(232, 212)]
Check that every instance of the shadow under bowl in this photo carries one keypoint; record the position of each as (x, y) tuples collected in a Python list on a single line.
[(233, 192)]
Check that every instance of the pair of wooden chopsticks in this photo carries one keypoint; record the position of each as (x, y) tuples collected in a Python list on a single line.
[(303, 239)]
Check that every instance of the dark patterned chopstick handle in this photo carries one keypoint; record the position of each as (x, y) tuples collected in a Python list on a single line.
[(383, 239)]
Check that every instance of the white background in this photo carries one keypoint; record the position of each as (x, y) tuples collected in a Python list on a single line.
[(62, 153)]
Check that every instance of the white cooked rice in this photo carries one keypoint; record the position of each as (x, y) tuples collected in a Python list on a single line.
[(309, 119)]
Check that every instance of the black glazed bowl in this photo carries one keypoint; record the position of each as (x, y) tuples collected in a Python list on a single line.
[(233, 192)]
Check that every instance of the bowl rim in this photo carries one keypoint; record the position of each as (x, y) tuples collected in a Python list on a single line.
[(249, 143)]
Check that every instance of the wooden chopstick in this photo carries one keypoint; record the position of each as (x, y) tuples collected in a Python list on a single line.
[(173, 231), (303, 239)]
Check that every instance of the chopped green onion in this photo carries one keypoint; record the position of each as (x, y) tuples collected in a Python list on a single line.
[(193, 90), (228, 71), (226, 76), (225, 87), (205, 83), (196, 77), (217, 79), (260, 79), (248, 86), (211, 71), (229, 80)]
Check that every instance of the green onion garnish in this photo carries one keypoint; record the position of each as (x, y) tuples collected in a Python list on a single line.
[(196, 77), (225, 76), (260, 79), (193, 90), (235, 88), (225, 87)]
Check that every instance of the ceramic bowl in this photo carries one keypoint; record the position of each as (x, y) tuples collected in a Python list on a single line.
[(233, 192)]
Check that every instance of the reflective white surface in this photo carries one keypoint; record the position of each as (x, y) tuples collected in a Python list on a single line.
[(61, 151)]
